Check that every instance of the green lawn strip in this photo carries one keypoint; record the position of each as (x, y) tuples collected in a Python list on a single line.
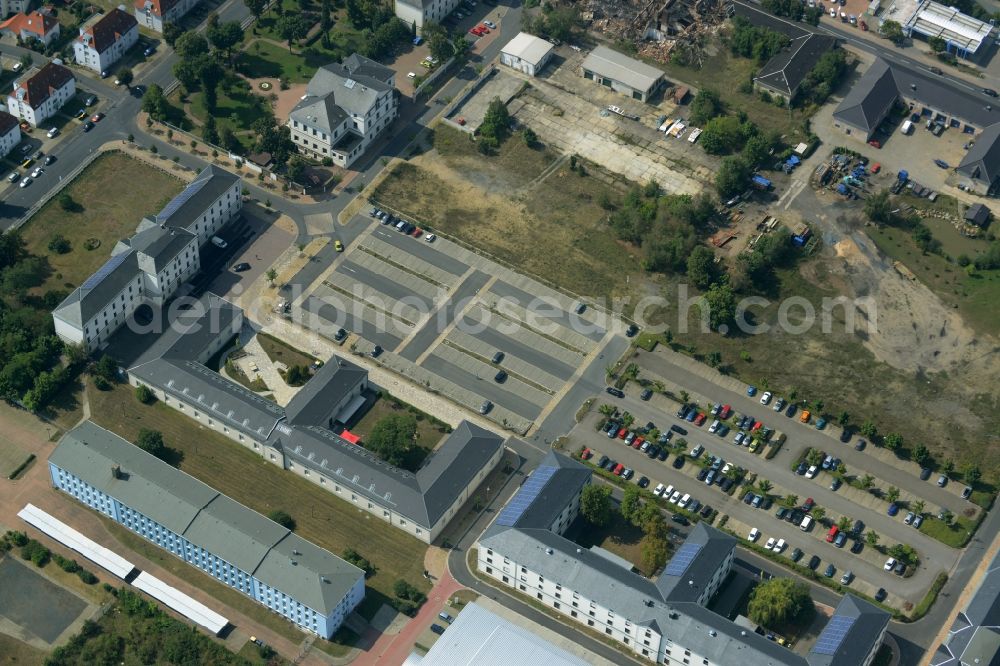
[(320, 515), (109, 212), (280, 352), (956, 534)]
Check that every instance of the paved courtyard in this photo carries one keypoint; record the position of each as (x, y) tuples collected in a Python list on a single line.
[(440, 313)]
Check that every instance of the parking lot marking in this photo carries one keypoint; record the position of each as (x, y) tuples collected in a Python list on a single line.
[(433, 314), (451, 324)]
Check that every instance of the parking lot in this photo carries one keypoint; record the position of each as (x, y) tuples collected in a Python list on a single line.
[(442, 314), (866, 565)]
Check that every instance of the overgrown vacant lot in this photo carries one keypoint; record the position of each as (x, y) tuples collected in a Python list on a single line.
[(319, 515), (524, 206), (113, 193)]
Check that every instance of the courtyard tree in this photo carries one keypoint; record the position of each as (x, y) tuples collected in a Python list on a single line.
[(282, 518), (171, 33), (224, 36), (776, 601), (190, 44), (256, 7), (631, 504), (292, 27), (595, 505), (392, 437), (654, 551)]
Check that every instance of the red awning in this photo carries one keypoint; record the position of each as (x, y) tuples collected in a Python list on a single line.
[(350, 437)]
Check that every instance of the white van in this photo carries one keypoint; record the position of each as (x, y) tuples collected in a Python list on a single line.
[(780, 546), (684, 500), (906, 127), (668, 492), (219, 243), (806, 523)]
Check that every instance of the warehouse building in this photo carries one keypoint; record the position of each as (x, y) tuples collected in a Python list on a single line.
[(622, 74), (963, 35), (293, 577), (527, 53)]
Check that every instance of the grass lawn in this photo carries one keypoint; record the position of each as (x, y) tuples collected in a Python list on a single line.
[(109, 212), (236, 110), (974, 295), (320, 516), (724, 73), (429, 431), (280, 352), (266, 60), (620, 538), (13, 651), (956, 535), (554, 230)]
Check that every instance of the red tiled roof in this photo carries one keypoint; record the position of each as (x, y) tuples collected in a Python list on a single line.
[(39, 86), (159, 7), (109, 29), (7, 123), (35, 22)]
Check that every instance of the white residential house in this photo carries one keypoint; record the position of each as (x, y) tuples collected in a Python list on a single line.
[(41, 92), (153, 14), (418, 12), (10, 133), (345, 108), (43, 27), (104, 39)]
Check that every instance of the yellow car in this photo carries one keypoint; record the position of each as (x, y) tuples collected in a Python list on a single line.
[(754, 445), (338, 246), (27, 163)]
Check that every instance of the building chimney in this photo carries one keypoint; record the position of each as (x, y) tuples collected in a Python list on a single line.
[(116, 471)]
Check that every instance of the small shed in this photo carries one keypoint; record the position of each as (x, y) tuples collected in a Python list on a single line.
[(680, 94), (978, 214)]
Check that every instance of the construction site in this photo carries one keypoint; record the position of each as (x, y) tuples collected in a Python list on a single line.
[(660, 27)]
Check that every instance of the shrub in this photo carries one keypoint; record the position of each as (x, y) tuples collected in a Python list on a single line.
[(86, 576), (59, 244), (282, 518), (102, 384), (144, 395)]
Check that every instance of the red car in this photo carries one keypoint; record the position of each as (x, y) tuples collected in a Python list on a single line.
[(638, 442), (478, 31), (485, 29), (725, 411), (418, 232), (587, 454), (619, 468), (876, 167), (698, 420), (756, 426), (623, 433), (875, 143), (808, 506), (96, 118), (832, 534)]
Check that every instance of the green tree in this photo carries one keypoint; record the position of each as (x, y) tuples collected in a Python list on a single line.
[(892, 494), (937, 44), (972, 474), (190, 45), (776, 601), (59, 244), (171, 33), (292, 27), (920, 454), (732, 177), (530, 138), (595, 505), (496, 121), (154, 103), (721, 303), (701, 267), (392, 437), (818, 513), (705, 106), (606, 410), (844, 523), (893, 441), (106, 368), (918, 507), (151, 441), (868, 429), (125, 76), (722, 135), (947, 516), (843, 419), (790, 501), (282, 518), (256, 7), (867, 481), (209, 132), (654, 551), (871, 538), (757, 149), (68, 204), (631, 504), (224, 36), (878, 207), (764, 486), (893, 31), (143, 394)]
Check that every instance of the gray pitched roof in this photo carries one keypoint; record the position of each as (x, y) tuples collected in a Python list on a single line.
[(715, 547), (618, 66), (973, 637), (869, 623), (195, 199), (337, 91), (314, 403), (217, 397), (978, 214), (205, 517), (563, 486), (97, 291), (423, 497), (160, 246), (870, 99), (982, 162), (786, 71)]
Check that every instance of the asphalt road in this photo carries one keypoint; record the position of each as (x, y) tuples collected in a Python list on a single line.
[(483, 386), (443, 315)]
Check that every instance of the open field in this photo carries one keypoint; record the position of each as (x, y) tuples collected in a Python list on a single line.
[(13, 651), (320, 516), (974, 295), (109, 212), (552, 228), (11, 457)]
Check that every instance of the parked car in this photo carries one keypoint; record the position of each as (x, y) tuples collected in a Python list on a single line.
[(706, 511), (832, 534), (893, 509), (658, 491), (618, 393), (680, 519), (909, 518), (603, 462), (889, 564), (830, 570), (766, 398), (796, 555), (754, 534), (835, 484), (770, 543), (437, 629), (780, 404), (646, 394), (925, 473), (918, 521), (942, 480), (812, 471), (751, 390), (813, 562), (860, 446), (967, 493), (899, 569), (840, 540), (678, 462), (857, 546), (881, 594)]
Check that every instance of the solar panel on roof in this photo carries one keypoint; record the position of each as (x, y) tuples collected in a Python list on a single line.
[(104, 271), (511, 513), (833, 634), (682, 559), (180, 199)]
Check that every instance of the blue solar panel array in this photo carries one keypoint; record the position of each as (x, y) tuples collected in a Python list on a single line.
[(682, 559), (180, 199), (833, 634), (104, 271), (525, 496)]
